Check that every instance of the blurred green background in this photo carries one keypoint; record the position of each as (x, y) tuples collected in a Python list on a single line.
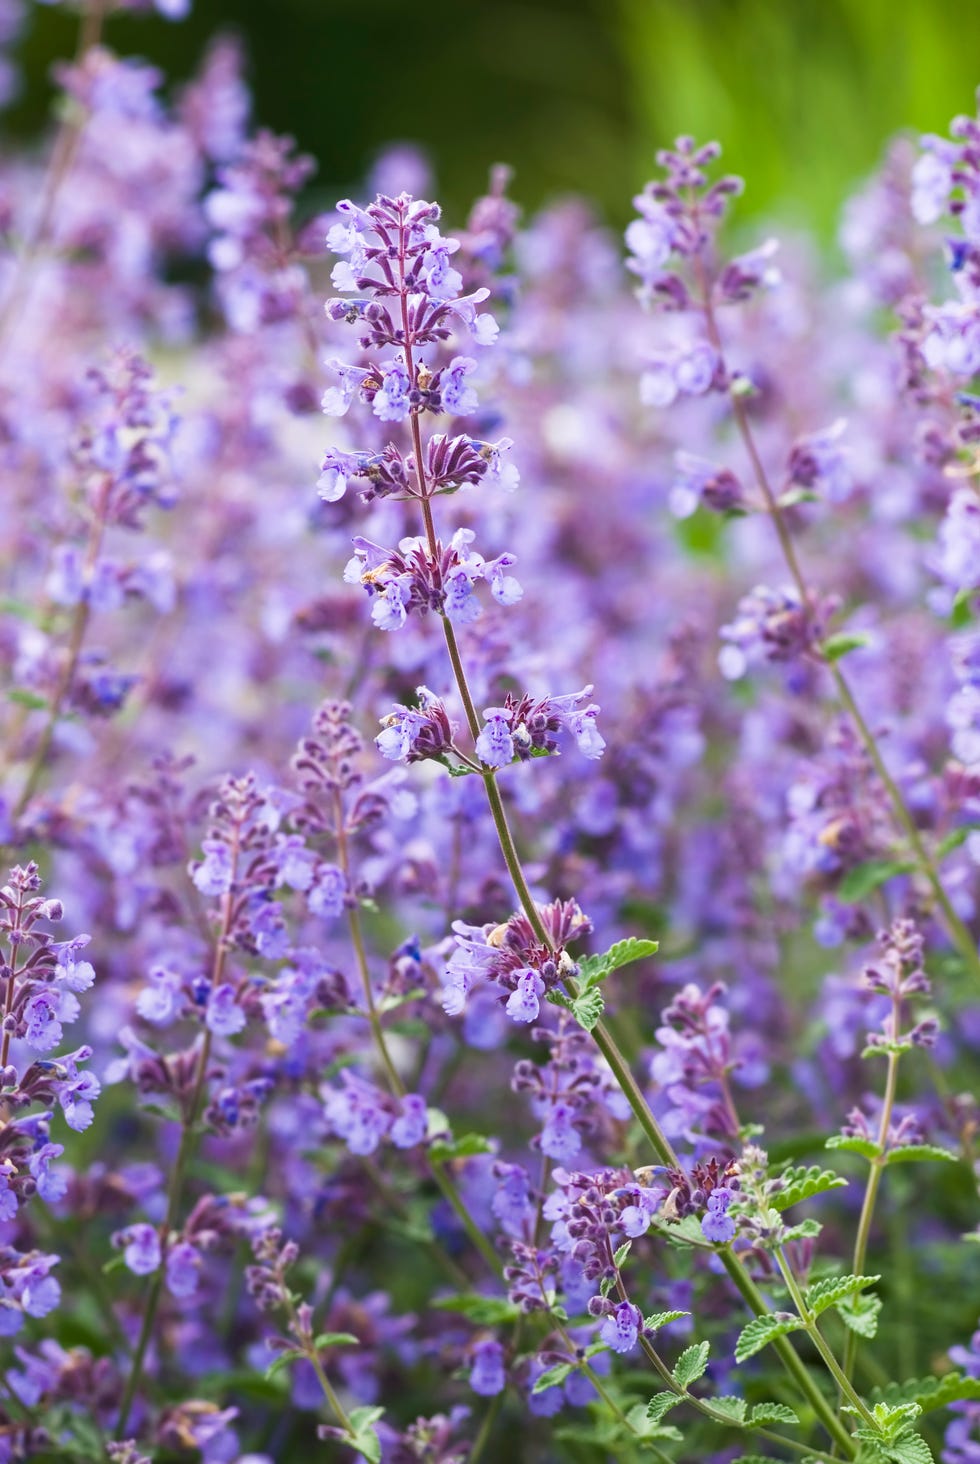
[(576, 94)]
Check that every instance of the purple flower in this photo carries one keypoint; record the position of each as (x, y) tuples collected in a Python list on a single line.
[(411, 1125), (457, 397), (224, 1016), (141, 1248), (51, 1186), (163, 999), (717, 1225), (487, 1375), (213, 875), (328, 892), (523, 1004), (41, 1017), (391, 401), (621, 1329), (495, 745), (183, 1268)]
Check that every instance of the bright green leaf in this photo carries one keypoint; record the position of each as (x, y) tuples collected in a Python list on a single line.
[(660, 1404), (910, 1153), (836, 646), (802, 1184), (763, 1330), (691, 1364), (764, 1414), (862, 881), (663, 1319)]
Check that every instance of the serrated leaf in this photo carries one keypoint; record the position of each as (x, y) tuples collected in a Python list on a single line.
[(660, 1404), (663, 1319), (827, 1293), (836, 646), (860, 1314), (806, 1230), (852, 1144), (283, 1360), (645, 1428), (691, 1364), (593, 969), (733, 1408), (621, 1254), (442, 1150), (484, 1311), (763, 1414), (553, 1377), (910, 1153), (909, 1448), (930, 1392), (336, 1339), (763, 1330), (890, 1419), (802, 1184), (862, 881), (587, 1009)]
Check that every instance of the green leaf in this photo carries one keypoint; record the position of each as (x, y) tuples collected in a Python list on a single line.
[(593, 969), (442, 1150), (890, 1420), (483, 1311), (862, 881), (854, 1145), (553, 1377), (29, 699), (336, 1339), (621, 1254), (283, 1360), (910, 1448), (663, 1319), (764, 1414), (752, 1459), (836, 646), (909, 1153), (860, 1314), (364, 1416), (660, 1404), (806, 1230), (955, 839), (587, 1009), (367, 1444), (962, 613), (734, 1409), (691, 1364), (802, 1184), (763, 1330), (930, 1392), (827, 1293)]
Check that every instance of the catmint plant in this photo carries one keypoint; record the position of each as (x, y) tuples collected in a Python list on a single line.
[(531, 869)]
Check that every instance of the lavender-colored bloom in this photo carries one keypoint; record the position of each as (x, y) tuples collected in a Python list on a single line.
[(495, 745), (391, 401), (457, 397), (560, 1137), (523, 1004), (51, 1185), (328, 893), (224, 1016), (621, 1328), (163, 999), (141, 1248), (42, 1015), (213, 875), (487, 1375), (182, 1269), (717, 1225), (410, 1127)]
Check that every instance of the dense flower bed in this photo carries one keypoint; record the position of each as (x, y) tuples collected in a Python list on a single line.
[(364, 1087)]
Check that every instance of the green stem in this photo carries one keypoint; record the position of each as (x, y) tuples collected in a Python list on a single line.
[(875, 1175), (788, 1355), (814, 1333)]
